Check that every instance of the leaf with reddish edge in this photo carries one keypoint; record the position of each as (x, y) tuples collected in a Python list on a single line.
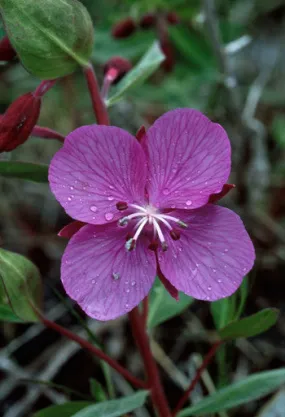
[(70, 229), (167, 285), (216, 197)]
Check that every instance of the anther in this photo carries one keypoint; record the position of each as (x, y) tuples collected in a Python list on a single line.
[(164, 246), (123, 221), (175, 234), (182, 224), (122, 205), (131, 244)]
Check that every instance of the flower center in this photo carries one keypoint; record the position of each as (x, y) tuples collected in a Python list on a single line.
[(145, 217)]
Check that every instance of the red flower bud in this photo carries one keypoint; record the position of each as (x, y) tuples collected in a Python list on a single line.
[(147, 21), (124, 28), (168, 51), (18, 122), (172, 18), (7, 52), (121, 65)]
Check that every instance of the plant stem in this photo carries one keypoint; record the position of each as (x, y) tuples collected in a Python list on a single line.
[(43, 88), (97, 101), (145, 306), (153, 380), (199, 372), (94, 350)]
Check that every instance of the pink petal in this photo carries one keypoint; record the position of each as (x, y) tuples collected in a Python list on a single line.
[(104, 278), (97, 167), (212, 256), (225, 190), (70, 229), (189, 159)]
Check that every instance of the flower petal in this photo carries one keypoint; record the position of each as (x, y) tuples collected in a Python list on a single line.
[(103, 277), (97, 167), (212, 256), (189, 159)]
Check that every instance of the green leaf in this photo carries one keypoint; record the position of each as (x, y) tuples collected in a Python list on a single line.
[(20, 285), (97, 390), (250, 326), (63, 410), (133, 47), (51, 37), (146, 66), (249, 389), (114, 408), (278, 130), (6, 313), (162, 306), (25, 170)]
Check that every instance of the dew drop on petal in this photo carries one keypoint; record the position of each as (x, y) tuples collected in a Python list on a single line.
[(111, 187), (219, 281), (93, 281), (93, 208), (115, 276), (209, 288), (109, 216), (165, 191), (133, 283), (71, 188), (127, 305), (188, 203), (127, 290), (110, 198), (226, 250), (214, 270), (69, 199)]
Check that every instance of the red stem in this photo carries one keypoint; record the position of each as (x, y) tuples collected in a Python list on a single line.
[(97, 101), (145, 304), (44, 87), (46, 133), (94, 350), (199, 372), (154, 383)]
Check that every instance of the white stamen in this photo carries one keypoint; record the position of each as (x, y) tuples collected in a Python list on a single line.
[(138, 207), (139, 230), (159, 231), (162, 219)]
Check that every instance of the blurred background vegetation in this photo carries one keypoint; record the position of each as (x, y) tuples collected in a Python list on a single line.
[(228, 63)]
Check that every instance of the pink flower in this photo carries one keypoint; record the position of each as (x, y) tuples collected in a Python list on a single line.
[(145, 203)]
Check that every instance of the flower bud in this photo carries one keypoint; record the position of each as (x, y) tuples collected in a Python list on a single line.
[(124, 28), (121, 65), (7, 52), (50, 37), (18, 122), (147, 21), (172, 18)]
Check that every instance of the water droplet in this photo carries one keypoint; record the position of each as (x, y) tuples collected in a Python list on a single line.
[(206, 182), (111, 187), (127, 290), (226, 250), (244, 269), (180, 248), (115, 276), (93, 281), (133, 283), (109, 216), (110, 198), (69, 199), (188, 203), (198, 172), (165, 191), (207, 298), (214, 270), (219, 281), (127, 305), (71, 188), (126, 282), (172, 206), (209, 288), (93, 208)]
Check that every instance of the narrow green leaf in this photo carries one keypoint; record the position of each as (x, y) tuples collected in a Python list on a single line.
[(249, 389), (250, 326), (223, 311), (114, 408), (63, 410), (97, 390), (162, 306), (25, 170), (146, 66), (20, 285), (51, 37)]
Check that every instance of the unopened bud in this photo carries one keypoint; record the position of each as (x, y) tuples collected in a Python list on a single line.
[(117, 67), (18, 122), (7, 52), (124, 28), (172, 18), (50, 37), (147, 21)]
